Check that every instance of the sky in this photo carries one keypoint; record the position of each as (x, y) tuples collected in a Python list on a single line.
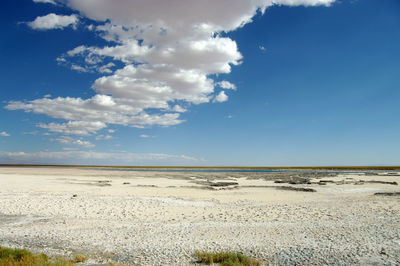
[(200, 83)]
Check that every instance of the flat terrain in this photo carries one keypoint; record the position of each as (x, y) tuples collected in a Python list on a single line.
[(161, 218)]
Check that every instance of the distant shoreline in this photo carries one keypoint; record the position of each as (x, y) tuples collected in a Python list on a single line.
[(214, 167)]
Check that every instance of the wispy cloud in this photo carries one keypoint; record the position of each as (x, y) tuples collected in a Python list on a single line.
[(70, 156), (98, 110), (45, 1), (144, 136), (34, 132), (103, 137), (83, 128), (71, 141)]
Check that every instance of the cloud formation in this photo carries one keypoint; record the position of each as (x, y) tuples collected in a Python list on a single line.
[(83, 128), (221, 97), (226, 85), (103, 137), (4, 134), (167, 51), (144, 136), (71, 141), (53, 21)]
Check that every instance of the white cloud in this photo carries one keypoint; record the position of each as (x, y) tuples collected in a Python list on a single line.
[(106, 68), (47, 96), (262, 48), (71, 141), (179, 109), (106, 137), (61, 60), (154, 86), (221, 97), (53, 21), (4, 134), (98, 110), (68, 149), (226, 85), (79, 68), (84, 128), (45, 1), (181, 14), (144, 136), (71, 156), (159, 53)]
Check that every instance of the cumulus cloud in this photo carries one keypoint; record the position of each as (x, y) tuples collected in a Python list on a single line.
[(53, 21), (172, 13), (71, 156), (4, 134), (221, 97), (71, 141), (226, 85), (159, 55), (45, 1)]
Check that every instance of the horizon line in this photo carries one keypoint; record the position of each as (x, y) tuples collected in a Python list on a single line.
[(354, 167)]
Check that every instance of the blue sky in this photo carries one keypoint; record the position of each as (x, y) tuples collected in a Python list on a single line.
[(308, 82)]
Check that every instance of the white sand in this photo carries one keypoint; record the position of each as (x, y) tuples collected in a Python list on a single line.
[(161, 218)]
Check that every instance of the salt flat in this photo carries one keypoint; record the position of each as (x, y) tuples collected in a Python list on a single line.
[(161, 218)]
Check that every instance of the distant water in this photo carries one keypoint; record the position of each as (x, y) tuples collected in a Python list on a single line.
[(199, 170)]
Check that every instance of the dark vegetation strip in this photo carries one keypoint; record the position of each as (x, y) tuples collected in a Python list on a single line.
[(23, 257), (226, 259)]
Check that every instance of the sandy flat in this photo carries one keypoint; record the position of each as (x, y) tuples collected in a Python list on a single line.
[(161, 218)]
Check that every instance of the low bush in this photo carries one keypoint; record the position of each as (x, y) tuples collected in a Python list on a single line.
[(79, 258), (226, 259), (22, 257)]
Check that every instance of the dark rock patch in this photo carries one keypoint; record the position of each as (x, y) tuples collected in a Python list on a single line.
[(223, 184), (387, 194), (381, 182), (302, 189)]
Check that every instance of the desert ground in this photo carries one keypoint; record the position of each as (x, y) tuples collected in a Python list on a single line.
[(162, 218)]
